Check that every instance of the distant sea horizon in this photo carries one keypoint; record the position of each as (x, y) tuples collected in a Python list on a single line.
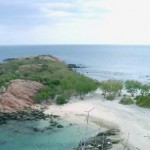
[(102, 61)]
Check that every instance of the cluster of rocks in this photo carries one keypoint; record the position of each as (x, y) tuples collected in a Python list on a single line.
[(26, 114), (31, 115), (73, 66), (22, 115), (102, 141), (53, 124)]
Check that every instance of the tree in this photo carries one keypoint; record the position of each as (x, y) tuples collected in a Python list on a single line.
[(143, 100), (145, 89), (60, 100), (126, 100), (84, 85), (111, 87), (104, 86), (132, 86)]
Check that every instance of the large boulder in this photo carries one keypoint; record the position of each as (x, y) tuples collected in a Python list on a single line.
[(19, 94)]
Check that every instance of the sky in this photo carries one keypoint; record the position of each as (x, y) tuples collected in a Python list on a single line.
[(74, 22)]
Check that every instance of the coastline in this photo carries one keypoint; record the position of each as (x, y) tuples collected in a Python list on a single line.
[(131, 120)]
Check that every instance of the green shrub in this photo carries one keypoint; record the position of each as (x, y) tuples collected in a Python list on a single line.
[(143, 100), (60, 100), (145, 88), (110, 97), (111, 87), (126, 101), (132, 86), (75, 84), (45, 93), (84, 85), (41, 96)]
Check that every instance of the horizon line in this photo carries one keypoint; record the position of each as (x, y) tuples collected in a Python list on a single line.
[(59, 44)]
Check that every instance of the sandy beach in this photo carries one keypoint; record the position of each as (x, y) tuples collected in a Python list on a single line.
[(134, 122)]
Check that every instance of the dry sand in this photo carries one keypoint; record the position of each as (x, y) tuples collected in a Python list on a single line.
[(134, 122)]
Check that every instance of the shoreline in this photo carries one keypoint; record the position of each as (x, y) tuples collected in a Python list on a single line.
[(131, 120)]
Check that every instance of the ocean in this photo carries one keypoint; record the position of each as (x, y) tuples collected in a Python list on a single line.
[(102, 61)]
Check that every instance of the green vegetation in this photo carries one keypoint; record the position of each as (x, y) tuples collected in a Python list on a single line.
[(145, 89), (132, 86), (60, 100), (126, 100), (111, 88), (143, 100), (110, 97), (60, 83)]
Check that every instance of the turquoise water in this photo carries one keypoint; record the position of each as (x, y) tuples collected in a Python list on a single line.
[(20, 136), (103, 61)]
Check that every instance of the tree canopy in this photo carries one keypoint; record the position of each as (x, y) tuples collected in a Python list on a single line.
[(111, 87)]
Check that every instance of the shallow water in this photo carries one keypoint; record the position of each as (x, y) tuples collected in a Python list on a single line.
[(20, 136)]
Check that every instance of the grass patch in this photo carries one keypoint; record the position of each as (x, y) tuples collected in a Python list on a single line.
[(61, 100), (126, 100), (110, 97), (143, 100)]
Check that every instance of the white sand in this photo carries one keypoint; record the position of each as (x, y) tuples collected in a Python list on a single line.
[(132, 120)]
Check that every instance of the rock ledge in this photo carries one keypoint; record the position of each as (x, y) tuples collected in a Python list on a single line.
[(18, 95)]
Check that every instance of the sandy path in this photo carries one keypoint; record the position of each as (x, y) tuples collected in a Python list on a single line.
[(131, 120)]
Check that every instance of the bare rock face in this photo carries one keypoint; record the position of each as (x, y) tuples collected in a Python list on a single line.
[(19, 95), (49, 58)]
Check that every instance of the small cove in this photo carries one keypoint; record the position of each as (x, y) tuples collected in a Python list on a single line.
[(20, 136)]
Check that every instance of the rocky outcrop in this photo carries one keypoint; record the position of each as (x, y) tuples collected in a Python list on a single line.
[(18, 95), (48, 58), (102, 141), (23, 115), (73, 66)]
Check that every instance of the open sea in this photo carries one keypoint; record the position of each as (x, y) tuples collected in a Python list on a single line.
[(102, 62)]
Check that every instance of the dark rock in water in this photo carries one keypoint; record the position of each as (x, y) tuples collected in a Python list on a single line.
[(102, 134), (56, 116), (35, 129), (54, 123), (112, 132), (3, 142), (75, 66), (23, 115), (115, 141), (48, 128), (16, 131), (101, 141), (60, 126), (3, 122)]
